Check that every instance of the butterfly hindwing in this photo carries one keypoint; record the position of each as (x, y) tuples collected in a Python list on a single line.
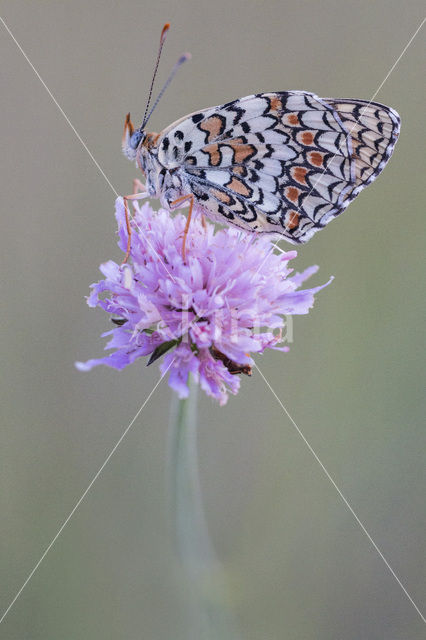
[(284, 163), (374, 131)]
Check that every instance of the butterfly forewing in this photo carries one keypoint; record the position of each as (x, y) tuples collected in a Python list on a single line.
[(284, 163)]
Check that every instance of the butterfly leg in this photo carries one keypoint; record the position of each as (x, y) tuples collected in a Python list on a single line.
[(137, 186), (180, 201)]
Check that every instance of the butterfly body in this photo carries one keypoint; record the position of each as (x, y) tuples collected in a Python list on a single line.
[(282, 163)]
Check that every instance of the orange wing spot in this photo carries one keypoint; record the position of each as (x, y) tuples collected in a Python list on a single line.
[(221, 195), (239, 187), (356, 144), (299, 174), (292, 220), (316, 158), (235, 142), (307, 138), (214, 153), (241, 151), (239, 171), (276, 104), (292, 193), (214, 126), (293, 119)]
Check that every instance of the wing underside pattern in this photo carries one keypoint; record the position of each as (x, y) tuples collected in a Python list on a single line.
[(282, 163)]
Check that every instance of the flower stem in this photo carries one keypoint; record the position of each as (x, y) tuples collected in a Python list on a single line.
[(205, 585)]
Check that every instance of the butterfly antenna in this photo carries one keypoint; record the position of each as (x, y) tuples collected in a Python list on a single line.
[(184, 58), (160, 48)]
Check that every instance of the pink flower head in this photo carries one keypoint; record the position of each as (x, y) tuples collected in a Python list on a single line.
[(207, 313)]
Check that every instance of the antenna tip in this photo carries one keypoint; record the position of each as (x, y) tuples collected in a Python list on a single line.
[(184, 58), (164, 32)]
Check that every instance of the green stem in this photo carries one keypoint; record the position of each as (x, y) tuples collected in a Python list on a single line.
[(210, 615)]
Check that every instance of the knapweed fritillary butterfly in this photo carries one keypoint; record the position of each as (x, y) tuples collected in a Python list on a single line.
[(283, 163)]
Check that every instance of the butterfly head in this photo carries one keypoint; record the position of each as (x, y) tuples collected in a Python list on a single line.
[(132, 139)]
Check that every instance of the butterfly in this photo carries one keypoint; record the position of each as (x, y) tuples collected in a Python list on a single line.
[(284, 163)]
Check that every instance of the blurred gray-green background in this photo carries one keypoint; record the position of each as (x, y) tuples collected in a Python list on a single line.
[(298, 564)]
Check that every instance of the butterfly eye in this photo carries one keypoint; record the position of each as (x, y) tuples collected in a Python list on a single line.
[(136, 138)]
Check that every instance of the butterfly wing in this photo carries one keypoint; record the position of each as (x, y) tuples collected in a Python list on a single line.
[(374, 131), (283, 163)]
